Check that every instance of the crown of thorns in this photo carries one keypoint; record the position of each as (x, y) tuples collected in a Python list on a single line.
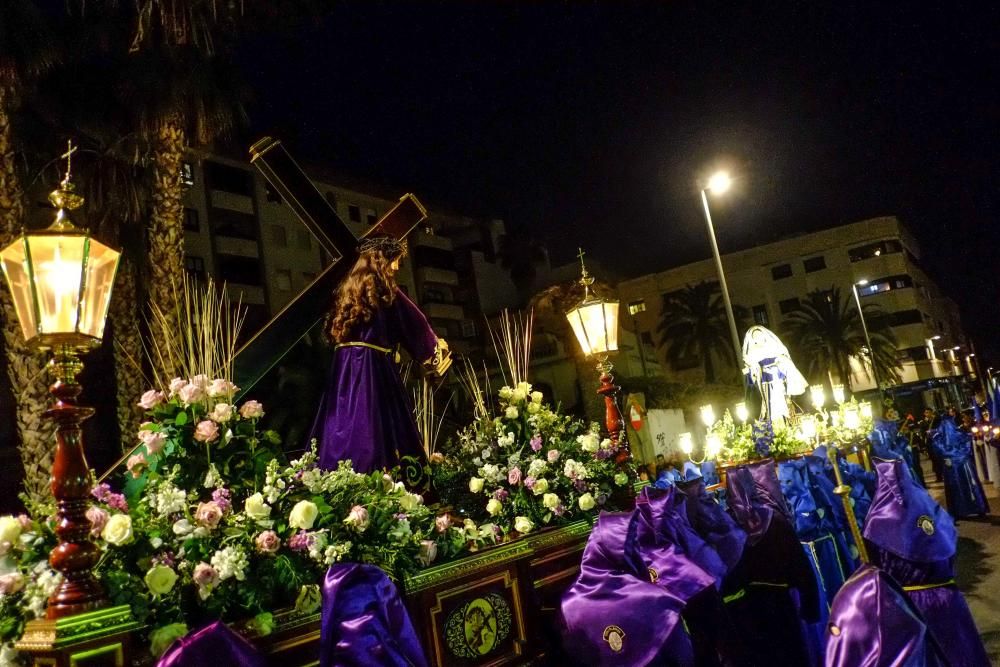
[(384, 244)]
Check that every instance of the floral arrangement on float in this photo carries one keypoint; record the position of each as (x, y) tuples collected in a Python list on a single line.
[(211, 520), (522, 465)]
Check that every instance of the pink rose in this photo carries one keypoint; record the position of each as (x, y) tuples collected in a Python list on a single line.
[(200, 381), (204, 575), (206, 431), (222, 413), (11, 583), (221, 387), (514, 476), (151, 399), (154, 440), (536, 443), (442, 523), (268, 542), (208, 514), (176, 385), (191, 393), (357, 518), (252, 410), (136, 465), (529, 482), (553, 455), (98, 518), (25, 521)]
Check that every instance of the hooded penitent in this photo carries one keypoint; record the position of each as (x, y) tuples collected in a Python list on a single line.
[(613, 614), (914, 541)]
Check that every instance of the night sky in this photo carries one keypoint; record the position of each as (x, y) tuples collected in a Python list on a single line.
[(591, 123)]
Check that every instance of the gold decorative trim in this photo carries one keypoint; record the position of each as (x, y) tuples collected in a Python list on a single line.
[(466, 566)]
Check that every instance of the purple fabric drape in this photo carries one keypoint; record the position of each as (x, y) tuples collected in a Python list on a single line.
[(767, 486), (713, 523), (365, 414), (873, 624), (753, 517), (214, 644), (914, 541), (364, 621), (613, 614)]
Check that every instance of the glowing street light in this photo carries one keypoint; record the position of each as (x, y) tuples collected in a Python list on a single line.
[(718, 184), (864, 327), (707, 415), (818, 396), (686, 443)]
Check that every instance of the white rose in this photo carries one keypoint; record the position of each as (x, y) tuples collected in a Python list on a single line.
[(541, 486), (10, 529), (586, 502), (160, 579), (222, 413), (303, 515), (154, 440), (410, 501), (550, 500), (524, 387), (534, 408), (182, 527), (511, 412), (518, 395), (220, 387), (505, 393), (523, 524), (536, 397), (358, 518), (252, 410), (494, 506), (118, 530), (589, 442), (476, 484), (256, 508), (606, 443)]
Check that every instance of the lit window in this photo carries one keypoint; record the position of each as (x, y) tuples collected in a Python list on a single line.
[(187, 173)]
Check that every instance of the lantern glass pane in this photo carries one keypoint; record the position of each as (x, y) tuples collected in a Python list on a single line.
[(611, 325), (594, 324), (57, 262), (13, 258), (102, 263), (576, 321)]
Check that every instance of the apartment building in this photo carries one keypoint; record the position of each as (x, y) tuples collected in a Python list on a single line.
[(770, 280)]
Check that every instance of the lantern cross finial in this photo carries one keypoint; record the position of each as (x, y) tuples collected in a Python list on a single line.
[(585, 278), (70, 149)]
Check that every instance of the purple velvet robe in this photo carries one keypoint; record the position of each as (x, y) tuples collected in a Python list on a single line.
[(366, 414), (914, 541), (365, 623), (873, 624), (712, 523), (214, 644), (612, 614)]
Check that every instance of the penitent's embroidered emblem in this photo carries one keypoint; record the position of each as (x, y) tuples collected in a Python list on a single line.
[(615, 637), (653, 576), (834, 630), (926, 524)]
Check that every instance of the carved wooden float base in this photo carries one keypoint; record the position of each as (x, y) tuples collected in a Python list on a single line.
[(495, 607)]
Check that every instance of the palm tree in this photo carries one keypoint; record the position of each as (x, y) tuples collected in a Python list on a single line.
[(694, 328), (27, 50), (826, 331), (520, 255)]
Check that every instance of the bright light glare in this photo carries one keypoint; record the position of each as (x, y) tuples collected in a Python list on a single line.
[(741, 412), (713, 445), (719, 182), (686, 443), (862, 282), (707, 415), (818, 396), (838, 393)]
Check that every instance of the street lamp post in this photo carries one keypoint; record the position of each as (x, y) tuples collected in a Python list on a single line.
[(718, 184), (864, 327)]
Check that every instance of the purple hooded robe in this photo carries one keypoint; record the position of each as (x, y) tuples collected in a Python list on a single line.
[(913, 540), (366, 414)]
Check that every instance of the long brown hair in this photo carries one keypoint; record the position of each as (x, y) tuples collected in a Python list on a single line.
[(370, 285)]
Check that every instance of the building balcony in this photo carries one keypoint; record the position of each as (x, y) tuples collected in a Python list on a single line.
[(246, 294), (429, 274), (230, 245), (421, 239), (444, 311), (231, 201)]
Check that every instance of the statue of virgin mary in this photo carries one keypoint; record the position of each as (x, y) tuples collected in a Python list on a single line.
[(768, 367)]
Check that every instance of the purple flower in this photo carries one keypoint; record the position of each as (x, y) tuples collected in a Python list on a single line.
[(117, 501), (559, 510), (101, 491), (223, 499), (501, 494), (603, 453), (529, 482), (536, 443), (300, 541), (166, 559), (514, 476), (580, 485)]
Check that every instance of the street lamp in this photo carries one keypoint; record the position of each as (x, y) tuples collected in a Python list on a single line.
[(864, 327), (718, 184), (61, 281), (595, 323)]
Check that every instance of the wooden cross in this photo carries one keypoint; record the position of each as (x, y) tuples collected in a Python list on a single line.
[(262, 352)]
